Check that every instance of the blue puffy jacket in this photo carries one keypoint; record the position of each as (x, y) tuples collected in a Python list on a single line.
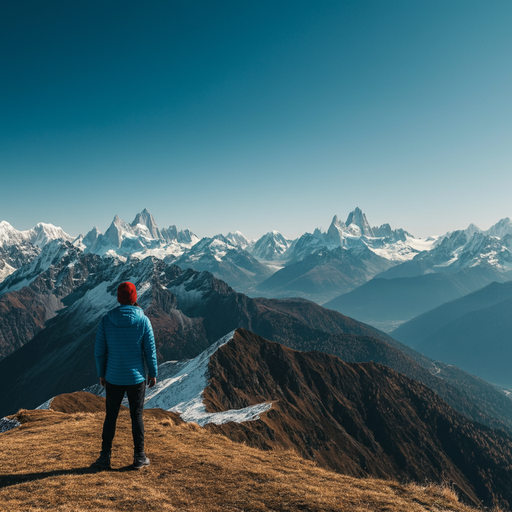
[(124, 341)]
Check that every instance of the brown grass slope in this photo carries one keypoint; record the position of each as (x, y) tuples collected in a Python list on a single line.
[(359, 419), (191, 470)]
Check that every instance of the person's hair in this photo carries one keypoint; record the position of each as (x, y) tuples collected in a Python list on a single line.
[(136, 304)]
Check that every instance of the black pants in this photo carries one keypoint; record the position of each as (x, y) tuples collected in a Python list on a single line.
[(115, 396)]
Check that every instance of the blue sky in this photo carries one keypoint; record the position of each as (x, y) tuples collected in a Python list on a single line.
[(256, 115)]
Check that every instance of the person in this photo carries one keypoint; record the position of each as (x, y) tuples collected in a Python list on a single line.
[(125, 347)]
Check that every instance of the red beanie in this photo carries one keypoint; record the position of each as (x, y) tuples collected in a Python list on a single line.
[(127, 293)]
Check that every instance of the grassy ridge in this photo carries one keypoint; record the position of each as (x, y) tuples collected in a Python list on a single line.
[(46, 466)]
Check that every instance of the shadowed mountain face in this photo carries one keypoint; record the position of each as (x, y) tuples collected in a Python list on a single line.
[(473, 332), (386, 303), (358, 419), (479, 342), (415, 330), (227, 261), (325, 274), (191, 310)]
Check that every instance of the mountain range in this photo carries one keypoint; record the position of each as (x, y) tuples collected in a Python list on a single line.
[(388, 277), (51, 313), (459, 263), (243, 263), (319, 266)]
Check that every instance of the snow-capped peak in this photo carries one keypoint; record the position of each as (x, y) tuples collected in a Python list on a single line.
[(501, 228), (52, 254), (41, 234), (7, 232), (357, 219), (271, 246), (238, 239), (146, 219)]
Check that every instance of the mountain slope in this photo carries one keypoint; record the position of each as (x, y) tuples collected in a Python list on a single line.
[(386, 303), (271, 246), (413, 331), (226, 261), (321, 275), (479, 342), (359, 419)]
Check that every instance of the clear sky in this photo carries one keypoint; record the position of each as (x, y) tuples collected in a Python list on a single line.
[(256, 115)]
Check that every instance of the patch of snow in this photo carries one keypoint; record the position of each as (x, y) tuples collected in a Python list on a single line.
[(95, 303), (46, 405), (180, 389), (400, 251), (7, 424), (96, 389), (6, 271), (187, 298)]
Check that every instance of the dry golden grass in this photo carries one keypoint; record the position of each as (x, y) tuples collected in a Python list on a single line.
[(45, 466)]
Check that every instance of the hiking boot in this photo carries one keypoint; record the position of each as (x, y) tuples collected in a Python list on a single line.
[(140, 462), (103, 461)]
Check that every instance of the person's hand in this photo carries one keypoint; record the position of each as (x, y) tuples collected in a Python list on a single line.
[(103, 381), (151, 381)]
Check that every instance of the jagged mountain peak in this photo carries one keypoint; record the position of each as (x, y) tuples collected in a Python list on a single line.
[(336, 220), (41, 234), (237, 238), (358, 218), (271, 246), (7, 232), (501, 228), (145, 218)]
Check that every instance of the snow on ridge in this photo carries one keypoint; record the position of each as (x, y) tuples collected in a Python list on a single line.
[(6, 424), (46, 406), (6, 271), (404, 251), (181, 387)]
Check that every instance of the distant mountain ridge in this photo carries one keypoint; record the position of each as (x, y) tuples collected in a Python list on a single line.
[(413, 331), (473, 332), (20, 247), (319, 266), (387, 303), (458, 263), (141, 237), (323, 264)]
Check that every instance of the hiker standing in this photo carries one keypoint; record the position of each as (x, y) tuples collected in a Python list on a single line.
[(125, 346)]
